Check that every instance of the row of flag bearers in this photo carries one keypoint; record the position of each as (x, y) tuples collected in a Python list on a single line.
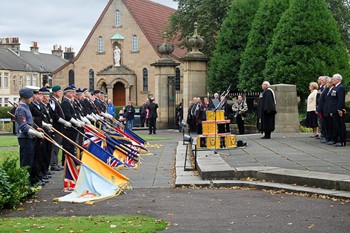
[(94, 144)]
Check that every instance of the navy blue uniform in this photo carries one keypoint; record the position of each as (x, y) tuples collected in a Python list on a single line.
[(24, 120)]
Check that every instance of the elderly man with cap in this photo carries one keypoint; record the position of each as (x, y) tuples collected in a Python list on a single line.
[(70, 116), (55, 106), (39, 143), (25, 122)]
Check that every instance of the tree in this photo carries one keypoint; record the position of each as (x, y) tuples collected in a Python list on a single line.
[(208, 14), (306, 44), (341, 12), (232, 39), (259, 39)]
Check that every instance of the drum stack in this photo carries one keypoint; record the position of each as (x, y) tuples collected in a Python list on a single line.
[(214, 134)]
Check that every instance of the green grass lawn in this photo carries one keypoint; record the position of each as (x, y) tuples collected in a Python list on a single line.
[(96, 224), (152, 137), (10, 140), (5, 152)]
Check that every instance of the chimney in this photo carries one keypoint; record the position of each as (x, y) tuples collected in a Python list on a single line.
[(34, 48), (68, 53), (57, 50), (10, 43)]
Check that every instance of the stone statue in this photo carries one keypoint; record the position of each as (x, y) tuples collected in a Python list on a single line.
[(117, 52)]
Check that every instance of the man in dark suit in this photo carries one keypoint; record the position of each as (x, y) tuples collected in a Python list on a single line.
[(152, 115), (336, 107)]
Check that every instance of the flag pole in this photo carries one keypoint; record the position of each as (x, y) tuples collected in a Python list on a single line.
[(68, 139), (48, 138)]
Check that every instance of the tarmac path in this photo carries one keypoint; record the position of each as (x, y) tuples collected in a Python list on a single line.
[(201, 209)]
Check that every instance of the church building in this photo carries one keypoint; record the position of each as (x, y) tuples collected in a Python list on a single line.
[(116, 56)]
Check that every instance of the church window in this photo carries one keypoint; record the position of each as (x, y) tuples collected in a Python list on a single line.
[(145, 79), (70, 77), (134, 44), (100, 47), (91, 79), (118, 21)]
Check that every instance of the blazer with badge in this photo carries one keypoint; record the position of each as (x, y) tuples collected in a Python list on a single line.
[(57, 110), (37, 115), (336, 99)]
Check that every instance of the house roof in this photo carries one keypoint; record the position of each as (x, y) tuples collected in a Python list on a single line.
[(29, 61), (150, 16), (43, 62)]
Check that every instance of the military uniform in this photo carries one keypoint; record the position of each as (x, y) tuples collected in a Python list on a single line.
[(69, 113)]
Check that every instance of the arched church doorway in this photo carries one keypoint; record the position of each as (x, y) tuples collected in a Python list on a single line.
[(119, 94)]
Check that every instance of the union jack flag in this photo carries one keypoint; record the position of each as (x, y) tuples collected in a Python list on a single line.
[(93, 136), (72, 167)]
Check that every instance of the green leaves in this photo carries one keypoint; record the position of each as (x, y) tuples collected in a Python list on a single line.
[(13, 184), (232, 40), (305, 45)]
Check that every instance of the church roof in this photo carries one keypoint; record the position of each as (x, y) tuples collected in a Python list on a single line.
[(151, 17)]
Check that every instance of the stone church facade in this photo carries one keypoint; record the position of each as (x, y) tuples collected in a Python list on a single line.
[(136, 28)]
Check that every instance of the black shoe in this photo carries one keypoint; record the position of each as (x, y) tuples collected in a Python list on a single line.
[(263, 137), (55, 168), (47, 177), (330, 143), (50, 173), (149, 133), (44, 181), (154, 132), (338, 144)]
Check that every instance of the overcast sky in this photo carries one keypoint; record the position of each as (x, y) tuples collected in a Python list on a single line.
[(63, 22)]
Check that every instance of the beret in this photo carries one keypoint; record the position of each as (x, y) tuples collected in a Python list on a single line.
[(80, 91), (26, 93), (44, 90), (56, 88), (85, 90), (97, 91), (67, 89), (73, 87)]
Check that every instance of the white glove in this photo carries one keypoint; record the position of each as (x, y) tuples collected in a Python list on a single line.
[(47, 126), (64, 122), (90, 117), (36, 133), (86, 120), (75, 122), (81, 122)]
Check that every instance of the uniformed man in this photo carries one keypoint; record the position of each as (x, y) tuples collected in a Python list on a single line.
[(72, 117), (39, 144), (24, 120), (46, 147), (56, 107), (337, 106)]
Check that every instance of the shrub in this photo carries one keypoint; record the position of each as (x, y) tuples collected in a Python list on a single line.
[(14, 184), (3, 112)]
